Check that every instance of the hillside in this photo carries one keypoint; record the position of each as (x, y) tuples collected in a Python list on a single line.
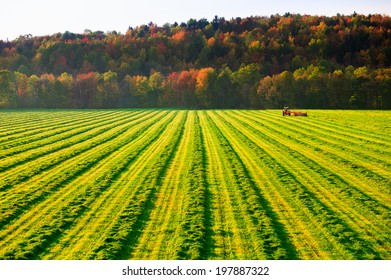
[(254, 62)]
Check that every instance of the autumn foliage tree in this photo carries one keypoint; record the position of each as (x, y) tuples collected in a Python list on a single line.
[(254, 62)]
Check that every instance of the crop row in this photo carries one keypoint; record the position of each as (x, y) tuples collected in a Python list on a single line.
[(306, 179), (70, 194), (120, 238), (119, 207), (50, 146), (55, 134), (162, 237), (172, 184), (269, 241), (33, 124), (194, 224), (38, 180), (320, 152)]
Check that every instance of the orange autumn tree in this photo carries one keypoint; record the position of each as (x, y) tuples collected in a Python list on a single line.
[(204, 86)]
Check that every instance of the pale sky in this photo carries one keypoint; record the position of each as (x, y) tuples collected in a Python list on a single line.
[(43, 17)]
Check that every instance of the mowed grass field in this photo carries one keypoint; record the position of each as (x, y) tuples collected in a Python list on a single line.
[(176, 184)]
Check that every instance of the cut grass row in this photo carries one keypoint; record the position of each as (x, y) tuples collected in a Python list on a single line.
[(304, 176), (32, 124), (26, 186), (195, 222), (303, 147), (68, 202), (56, 134), (109, 209), (160, 238), (121, 237), (267, 238), (193, 185), (49, 146)]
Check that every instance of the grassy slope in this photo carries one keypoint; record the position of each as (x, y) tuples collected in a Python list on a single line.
[(149, 184)]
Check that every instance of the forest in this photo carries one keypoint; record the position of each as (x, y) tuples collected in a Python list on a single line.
[(303, 61)]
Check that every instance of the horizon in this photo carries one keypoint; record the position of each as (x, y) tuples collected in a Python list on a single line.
[(179, 22), (76, 16)]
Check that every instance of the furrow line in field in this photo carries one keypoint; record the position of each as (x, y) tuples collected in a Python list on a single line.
[(361, 190), (61, 210), (367, 223), (236, 182), (293, 191), (27, 117), (31, 120), (161, 234), (25, 120), (56, 134), (26, 169), (39, 187), (341, 124), (308, 132), (298, 226), (229, 238), (252, 233), (371, 169), (195, 225), (28, 135), (123, 233), (271, 240), (81, 241), (43, 127), (19, 156), (333, 225), (340, 130)]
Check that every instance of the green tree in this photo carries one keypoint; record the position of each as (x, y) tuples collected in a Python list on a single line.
[(108, 95), (246, 80), (156, 83), (8, 94), (224, 92), (33, 92), (139, 88), (86, 86)]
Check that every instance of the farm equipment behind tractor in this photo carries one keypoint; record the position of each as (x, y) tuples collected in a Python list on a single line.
[(287, 112)]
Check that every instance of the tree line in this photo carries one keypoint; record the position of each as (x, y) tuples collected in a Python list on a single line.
[(255, 62)]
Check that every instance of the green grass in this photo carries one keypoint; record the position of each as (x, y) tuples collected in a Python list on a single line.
[(176, 184)]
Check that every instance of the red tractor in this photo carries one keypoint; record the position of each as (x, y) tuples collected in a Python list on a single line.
[(287, 112)]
